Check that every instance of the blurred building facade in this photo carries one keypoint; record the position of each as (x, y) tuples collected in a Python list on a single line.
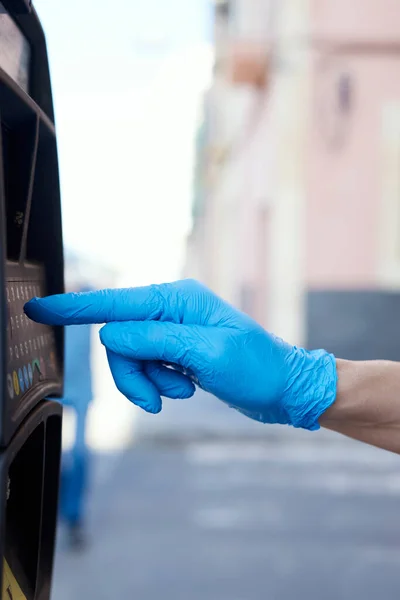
[(296, 215)]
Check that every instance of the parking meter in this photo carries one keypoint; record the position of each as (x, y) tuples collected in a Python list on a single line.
[(31, 264)]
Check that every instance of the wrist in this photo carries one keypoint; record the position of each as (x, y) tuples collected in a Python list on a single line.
[(360, 383), (341, 410)]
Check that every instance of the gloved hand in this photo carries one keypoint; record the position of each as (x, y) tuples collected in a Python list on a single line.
[(185, 326)]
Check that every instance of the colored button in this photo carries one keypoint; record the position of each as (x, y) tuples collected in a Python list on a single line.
[(16, 383), (10, 386), (30, 374), (26, 378), (36, 368), (21, 380)]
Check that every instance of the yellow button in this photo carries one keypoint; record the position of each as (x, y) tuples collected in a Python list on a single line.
[(16, 383)]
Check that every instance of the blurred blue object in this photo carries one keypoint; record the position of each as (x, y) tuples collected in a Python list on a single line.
[(75, 463), (77, 374)]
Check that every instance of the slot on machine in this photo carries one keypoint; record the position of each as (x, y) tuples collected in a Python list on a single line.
[(31, 264)]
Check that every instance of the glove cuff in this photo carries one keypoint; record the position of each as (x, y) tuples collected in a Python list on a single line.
[(314, 389)]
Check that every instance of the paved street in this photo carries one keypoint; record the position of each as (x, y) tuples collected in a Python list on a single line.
[(197, 517)]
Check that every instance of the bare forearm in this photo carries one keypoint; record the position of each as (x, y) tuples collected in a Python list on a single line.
[(367, 406)]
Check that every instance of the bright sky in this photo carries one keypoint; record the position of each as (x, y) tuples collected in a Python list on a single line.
[(127, 81)]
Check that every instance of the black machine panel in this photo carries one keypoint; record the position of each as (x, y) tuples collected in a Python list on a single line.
[(31, 264), (31, 256), (32, 356)]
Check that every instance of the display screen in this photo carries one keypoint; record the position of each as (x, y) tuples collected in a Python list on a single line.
[(15, 51)]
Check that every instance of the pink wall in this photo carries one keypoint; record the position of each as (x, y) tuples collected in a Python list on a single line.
[(356, 19), (345, 151)]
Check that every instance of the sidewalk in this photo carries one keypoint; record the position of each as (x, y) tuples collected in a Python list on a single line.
[(221, 521)]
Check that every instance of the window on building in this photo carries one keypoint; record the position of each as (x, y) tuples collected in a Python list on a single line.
[(223, 8)]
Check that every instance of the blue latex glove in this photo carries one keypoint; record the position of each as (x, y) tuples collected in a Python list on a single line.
[(206, 341)]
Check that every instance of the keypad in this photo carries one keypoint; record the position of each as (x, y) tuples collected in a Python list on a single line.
[(31, 346)]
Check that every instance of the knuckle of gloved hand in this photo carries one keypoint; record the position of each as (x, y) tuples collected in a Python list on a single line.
[(200, 288), (192, 288), (189, 285)]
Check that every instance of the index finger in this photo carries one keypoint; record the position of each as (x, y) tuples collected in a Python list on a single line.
[(154, 302)]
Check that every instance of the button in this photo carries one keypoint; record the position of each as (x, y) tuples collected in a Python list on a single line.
[(26, 378), (21, 380), (36, 368), (30, 374), (16, 383), (10, 386)]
